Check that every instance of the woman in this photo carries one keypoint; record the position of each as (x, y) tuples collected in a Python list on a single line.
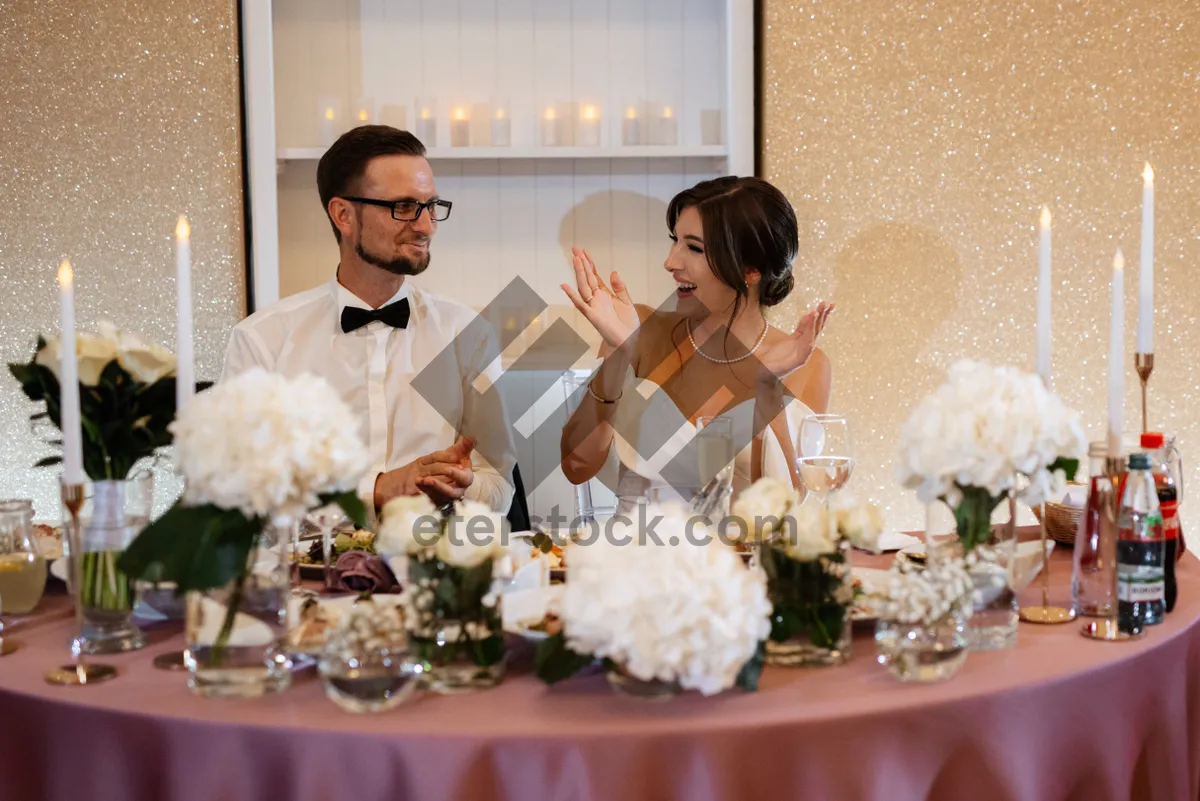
[(733, 241)]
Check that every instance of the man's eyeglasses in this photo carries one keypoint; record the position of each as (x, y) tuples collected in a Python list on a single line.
[(409, 210)]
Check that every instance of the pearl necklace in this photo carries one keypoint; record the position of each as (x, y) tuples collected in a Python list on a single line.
[(688, 324)]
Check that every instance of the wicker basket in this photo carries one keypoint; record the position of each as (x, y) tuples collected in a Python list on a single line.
[(1062, 521)]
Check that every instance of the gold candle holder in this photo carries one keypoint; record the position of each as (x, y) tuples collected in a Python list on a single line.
[(79, 673), (1107, 628), (1046, 614), (1144, 364)]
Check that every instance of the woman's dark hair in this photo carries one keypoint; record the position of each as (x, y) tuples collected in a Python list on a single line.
[(747, 223), (344, 163)]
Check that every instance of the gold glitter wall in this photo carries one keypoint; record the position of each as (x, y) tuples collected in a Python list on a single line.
[(117, 117), (918, 141)]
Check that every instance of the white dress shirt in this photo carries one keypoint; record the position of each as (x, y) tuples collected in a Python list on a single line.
[(373, 368)]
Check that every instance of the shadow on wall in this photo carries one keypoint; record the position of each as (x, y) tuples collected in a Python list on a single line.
[(625, 231), (897, 289)]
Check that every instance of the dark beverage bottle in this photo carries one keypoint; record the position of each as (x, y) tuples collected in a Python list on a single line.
[(1140, 553), (1168, 503)]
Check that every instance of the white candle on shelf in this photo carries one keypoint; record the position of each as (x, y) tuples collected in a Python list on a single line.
[(588, 134), (501, 128), (328, 126), (1116, 358), (668, 128), (631, 129), (1043, 298), (72, 434), (1145, 329), (185, 370), (550, 127), (426, 127), (460, 128)]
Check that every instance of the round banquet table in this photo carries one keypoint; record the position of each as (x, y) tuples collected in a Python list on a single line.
[(1057, 717)]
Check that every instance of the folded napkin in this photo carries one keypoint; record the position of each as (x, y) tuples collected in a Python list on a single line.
[(359, 571), (895, 541), (529, 606)]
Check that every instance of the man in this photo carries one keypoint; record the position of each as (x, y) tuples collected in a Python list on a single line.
[(370, 332)]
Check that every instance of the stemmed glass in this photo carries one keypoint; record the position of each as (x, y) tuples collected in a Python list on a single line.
[(826, 458), (325, 520), (714, 455)]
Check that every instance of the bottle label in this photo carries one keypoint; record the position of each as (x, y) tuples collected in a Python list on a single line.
[(1140, 583)]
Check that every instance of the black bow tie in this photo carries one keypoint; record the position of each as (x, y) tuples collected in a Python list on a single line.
[(394, 314)]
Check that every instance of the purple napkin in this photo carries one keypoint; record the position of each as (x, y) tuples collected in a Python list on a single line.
[(359, 571)]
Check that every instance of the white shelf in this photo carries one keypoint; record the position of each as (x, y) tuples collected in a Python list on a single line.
[(459, 153)]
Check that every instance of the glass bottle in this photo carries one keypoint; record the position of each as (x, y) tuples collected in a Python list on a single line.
[(22, 567), (1093, 575), (1140, 551), (1161, 467)]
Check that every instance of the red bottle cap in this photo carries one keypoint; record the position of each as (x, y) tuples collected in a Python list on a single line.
[(1152, 439)]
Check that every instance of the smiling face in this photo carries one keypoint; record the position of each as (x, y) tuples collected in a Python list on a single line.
[(399, 247), (698, 289)]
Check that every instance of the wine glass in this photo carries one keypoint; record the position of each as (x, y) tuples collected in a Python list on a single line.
[(826, 458), (325, 520)]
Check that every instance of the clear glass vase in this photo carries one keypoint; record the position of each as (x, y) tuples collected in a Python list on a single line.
[(366, 665), (990, 563), (237, 634), (454, 625), (810, 619), (113, 514), (626, 683), (923, 652)]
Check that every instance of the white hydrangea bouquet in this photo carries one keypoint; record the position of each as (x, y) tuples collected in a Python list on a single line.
[(256, 452), (450, 599), (967, 443), (684, 615), (803, 548)]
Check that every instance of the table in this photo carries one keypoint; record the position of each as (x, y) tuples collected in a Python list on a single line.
[(1058, 717)]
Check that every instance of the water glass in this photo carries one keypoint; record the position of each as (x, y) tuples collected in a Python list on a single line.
[(826, 453)]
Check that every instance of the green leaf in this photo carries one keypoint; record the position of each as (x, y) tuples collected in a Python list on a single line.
[(1068, 466), (350, 503), (542, 541), (49, 461), (198, 547), (489, 651), (747, 677), (554, 661)]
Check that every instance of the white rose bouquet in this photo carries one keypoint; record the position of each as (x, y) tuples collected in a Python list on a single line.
[(450, 602), (803, 553), (684, 613), (967, 442), (127, 397)]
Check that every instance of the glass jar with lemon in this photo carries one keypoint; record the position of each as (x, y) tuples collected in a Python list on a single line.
[(22, 567)]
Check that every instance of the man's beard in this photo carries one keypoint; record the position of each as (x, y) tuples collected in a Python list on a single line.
[(398, 266)]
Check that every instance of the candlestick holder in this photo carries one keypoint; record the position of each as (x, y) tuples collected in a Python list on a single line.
[(1144, 364), (1107, 628), (78, 673), (1045, 613)]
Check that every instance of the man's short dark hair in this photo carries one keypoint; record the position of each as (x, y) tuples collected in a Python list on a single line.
[(346, 160)]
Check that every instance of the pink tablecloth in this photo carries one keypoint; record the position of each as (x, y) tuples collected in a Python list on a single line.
[(1058, 717)]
